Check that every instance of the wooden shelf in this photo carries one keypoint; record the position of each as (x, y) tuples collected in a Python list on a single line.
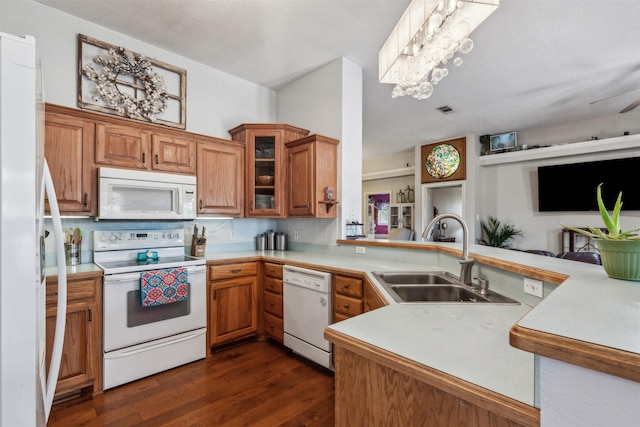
[(554, 151), (328, 203)]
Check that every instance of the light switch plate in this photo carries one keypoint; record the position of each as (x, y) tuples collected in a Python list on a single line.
[(533, 287)]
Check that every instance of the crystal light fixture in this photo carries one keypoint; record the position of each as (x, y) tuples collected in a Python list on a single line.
[(429, 34)]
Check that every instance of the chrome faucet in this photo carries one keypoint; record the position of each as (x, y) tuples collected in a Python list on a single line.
[(466, 262)]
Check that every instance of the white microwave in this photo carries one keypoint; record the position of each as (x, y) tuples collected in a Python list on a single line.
[(131, 194)]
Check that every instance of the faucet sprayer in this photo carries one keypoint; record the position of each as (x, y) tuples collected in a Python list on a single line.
[(466, 262)]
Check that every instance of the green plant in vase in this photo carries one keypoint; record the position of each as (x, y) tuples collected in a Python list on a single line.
[(619, 250)]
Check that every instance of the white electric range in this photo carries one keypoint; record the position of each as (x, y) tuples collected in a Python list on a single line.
[(140, 341)]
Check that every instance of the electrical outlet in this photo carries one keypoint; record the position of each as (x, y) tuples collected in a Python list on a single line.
[(296, 235), (360, 250), (233, 235), (533, 287)]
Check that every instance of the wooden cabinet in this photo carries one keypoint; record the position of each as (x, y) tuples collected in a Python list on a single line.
[(353, 296), (122, 146), (347, 297), (81, 363), (272, 300), (372, 298), (68, 148), (266, 168), (233, 301), (312, 167), (220, 176), (173, 154), (133, 147)]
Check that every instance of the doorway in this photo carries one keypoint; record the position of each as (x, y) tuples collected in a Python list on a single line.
[(444, 198), (376, 209)]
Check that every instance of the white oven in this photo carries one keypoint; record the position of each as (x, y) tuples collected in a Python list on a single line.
[(144, 340), (131, 194)]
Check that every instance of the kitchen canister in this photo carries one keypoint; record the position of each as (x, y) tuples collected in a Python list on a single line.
[(281, 242), (261, 242), (72, 253), (271, 240)]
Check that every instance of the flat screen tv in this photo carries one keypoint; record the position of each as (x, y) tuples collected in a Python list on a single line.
[(572, 187)]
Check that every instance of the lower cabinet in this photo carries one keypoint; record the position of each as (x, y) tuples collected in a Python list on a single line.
[(347, 297), (272, 300), (353, 296), (81, 363), (233, 302)]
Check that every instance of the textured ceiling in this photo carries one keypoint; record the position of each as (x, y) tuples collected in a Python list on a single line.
[(536, 63)]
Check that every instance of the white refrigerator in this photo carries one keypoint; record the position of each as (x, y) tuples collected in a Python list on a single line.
[(25, 393)]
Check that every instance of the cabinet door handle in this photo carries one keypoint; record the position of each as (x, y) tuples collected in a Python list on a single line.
[(215, 293), (89, 314), (271, 325), (346, 306), (144, 158), (86, 199), (156, 159), (309, 205), (271, 303), (200, 204), (272, 285), (251, 206), (345, 286), (235, 270)]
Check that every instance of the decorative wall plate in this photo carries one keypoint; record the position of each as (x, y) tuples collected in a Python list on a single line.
[(443, 161)]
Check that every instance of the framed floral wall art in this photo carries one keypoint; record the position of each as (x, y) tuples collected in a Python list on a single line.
[(114, 80), (444, 161)]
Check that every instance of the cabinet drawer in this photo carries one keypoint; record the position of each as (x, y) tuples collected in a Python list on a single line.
[(349, 286), (273, 270), (272, 285), (273, 303), (274, 326), (77, 290), (217, 272), (339, 317), (347, 305)]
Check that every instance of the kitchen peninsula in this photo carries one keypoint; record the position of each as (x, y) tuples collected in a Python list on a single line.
[(457, 358)]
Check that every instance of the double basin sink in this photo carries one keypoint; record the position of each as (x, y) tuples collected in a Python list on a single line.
[(434, 287)]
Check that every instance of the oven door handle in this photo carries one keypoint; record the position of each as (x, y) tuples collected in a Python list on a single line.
[(152, 346)]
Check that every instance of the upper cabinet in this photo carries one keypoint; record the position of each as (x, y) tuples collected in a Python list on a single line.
[(129, 146), (266, 166), (68, 148), (312, 170), (220, 178)]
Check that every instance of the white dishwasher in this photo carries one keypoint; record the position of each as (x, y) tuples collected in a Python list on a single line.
[(307, 312)]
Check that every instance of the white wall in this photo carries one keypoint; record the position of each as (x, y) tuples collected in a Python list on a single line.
[(509, 191), (216, 101), (328, 101)]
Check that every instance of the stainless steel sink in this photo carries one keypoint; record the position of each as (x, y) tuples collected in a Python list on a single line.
[(434, 287)]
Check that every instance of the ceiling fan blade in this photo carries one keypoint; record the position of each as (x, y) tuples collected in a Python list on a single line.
[(631, 106), (614, 96)]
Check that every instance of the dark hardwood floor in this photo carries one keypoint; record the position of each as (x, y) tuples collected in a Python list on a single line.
[(253, 384)]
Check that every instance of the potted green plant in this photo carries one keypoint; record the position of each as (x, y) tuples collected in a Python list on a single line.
[(619, 250), (497, 234)]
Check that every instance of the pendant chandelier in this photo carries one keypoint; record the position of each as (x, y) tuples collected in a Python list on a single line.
[(429, 34)]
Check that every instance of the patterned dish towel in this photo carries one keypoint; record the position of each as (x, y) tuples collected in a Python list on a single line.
[(163, 286)]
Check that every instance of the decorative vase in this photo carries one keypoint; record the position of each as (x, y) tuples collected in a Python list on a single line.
[(620, 258)]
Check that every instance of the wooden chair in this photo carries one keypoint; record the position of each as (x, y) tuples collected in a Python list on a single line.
[(590, 257)]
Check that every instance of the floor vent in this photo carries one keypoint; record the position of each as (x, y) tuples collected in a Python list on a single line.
[(445, 109)]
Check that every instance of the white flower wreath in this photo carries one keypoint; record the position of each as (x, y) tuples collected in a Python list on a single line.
[(125, 63)]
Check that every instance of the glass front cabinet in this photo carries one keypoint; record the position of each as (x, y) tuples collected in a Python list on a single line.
[(266, 166), (401, 215)]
